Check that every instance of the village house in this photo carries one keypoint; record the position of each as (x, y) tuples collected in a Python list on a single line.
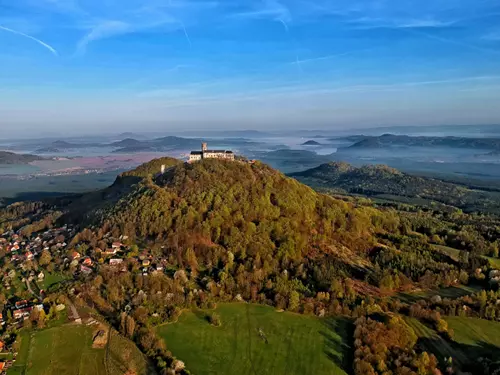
[(85, 270), (205, 153), (87, 262), (21, 304), (111, 251), (115, 262), (22, 313)]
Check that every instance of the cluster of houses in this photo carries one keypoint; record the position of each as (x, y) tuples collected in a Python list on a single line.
[(148, 264), (20, 249)]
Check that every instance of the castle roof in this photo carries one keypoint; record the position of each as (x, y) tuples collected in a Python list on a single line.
[(211, 152)]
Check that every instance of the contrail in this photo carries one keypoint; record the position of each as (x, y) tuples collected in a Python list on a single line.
[(298, 62), (50, 48), (186, 34), (334, 56), (285, 25)]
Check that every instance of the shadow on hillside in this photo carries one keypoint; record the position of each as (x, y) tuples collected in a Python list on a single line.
[(450, 292), (33, 196), (338, 334), (481, 359)]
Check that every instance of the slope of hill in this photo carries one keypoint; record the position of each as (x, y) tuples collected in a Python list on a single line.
[(237, 206), (382, 180), (13, 158), (405, 140)]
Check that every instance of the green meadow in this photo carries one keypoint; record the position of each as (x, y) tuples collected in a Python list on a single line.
[(255, 339)]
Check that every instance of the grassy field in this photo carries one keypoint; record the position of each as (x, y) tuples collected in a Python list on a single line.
[(295, 344), (430, 341), (454, 254), (50, 280), (494, 262), (22, 356), (450, 292), (475, 332), (473, 338), (68, 350)]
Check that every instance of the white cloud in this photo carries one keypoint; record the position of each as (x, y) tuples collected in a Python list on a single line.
[(268, 9), (105, 29)]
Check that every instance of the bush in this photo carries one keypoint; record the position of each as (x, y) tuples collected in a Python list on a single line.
[(215, 320)]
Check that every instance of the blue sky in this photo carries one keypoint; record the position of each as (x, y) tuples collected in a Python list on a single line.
[(87, 65)]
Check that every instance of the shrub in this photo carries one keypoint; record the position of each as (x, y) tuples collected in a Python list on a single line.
[(215, 320)]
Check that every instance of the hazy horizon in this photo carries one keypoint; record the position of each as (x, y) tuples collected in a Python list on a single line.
[(75, 66)]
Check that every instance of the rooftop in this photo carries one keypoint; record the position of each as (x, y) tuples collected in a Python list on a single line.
[(211, 152)]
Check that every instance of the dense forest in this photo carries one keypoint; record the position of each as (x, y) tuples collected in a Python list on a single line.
[(221, 231)]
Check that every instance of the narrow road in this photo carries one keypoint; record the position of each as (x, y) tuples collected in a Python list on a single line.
[(74, 313), (28, 286)]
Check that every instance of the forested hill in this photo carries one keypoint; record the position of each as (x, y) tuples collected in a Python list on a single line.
[(12, 158), (243, 208), (382, 180)]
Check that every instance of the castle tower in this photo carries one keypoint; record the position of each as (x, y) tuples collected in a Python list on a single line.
[(204, 147)]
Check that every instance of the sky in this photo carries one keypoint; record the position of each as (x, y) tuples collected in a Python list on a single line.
[(81, 66)]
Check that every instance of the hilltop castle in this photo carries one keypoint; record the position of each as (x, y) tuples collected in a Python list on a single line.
[(205, 153)]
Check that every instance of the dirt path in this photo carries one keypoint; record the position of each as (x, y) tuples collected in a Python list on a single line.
[(74, 313), (28, 286)]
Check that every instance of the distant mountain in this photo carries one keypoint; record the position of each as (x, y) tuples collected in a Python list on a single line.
[(139, 148), (383, 181), (127, 142), (48, 150), (311, 143), (130, 145), (12, 158), (64, 145), (387, 140)]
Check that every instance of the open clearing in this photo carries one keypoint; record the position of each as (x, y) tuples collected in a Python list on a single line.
[(494, 262), (255, 339), (475, 332), (68, 350), (473, 338), (450, 292), (454, 254)]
